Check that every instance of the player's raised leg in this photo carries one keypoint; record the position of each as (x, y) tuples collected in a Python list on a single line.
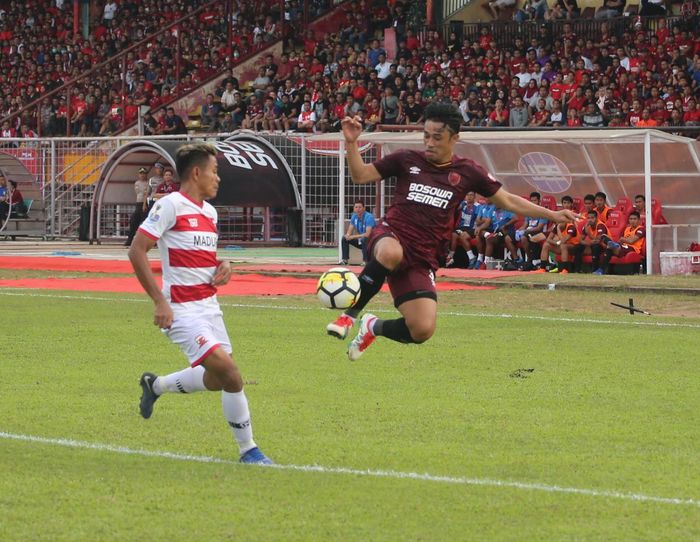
[(188, 380), (387, 254)]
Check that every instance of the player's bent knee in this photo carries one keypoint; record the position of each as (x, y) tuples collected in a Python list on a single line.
[(223, 373), (421, 332), (389, 253)]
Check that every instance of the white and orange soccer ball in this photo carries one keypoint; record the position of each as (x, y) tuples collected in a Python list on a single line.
[(338, 288)]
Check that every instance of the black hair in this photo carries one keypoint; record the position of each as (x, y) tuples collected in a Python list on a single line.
[(13, 183), (192, 155), (589, 197), (601, 195), (635, 213), (536, 195), (362, 202), (640, 196), (567, 198), (593, 212), (448, 114)]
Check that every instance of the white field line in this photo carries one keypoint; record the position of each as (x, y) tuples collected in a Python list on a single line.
[(425, 477), (29, 292)]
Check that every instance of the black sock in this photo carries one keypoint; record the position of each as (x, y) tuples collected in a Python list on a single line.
[(396, 330), (371, 281)]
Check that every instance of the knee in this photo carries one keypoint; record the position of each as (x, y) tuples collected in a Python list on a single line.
[(421, 332), (223, 371), (390, 256)]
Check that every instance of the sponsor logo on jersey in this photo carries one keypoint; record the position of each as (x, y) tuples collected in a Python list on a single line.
[(193, 222), (414, 170), (429, 195), (204, 240)]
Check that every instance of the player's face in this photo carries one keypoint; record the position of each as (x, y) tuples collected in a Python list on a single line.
[(470, 197), (168, 177), (439, 142), (358, 208), (592, 220), (639, 204), (208, 179), (600, 203), (634, 221), (588, 205), (566, 204)]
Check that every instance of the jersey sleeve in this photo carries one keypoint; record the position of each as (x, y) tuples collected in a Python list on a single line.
[(484, 183), (159, 220), (392, 164), (370, 222)]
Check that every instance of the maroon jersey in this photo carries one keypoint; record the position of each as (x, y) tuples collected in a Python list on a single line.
[(427, 197)]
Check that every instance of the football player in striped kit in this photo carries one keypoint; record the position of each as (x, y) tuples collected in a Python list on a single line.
[(186, 309)]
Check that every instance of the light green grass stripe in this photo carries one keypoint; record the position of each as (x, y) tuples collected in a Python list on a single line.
[(383, 311), (425, 477)]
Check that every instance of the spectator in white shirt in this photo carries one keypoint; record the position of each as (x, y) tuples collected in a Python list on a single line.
[(383, 67), (110, 10), (523, 75)]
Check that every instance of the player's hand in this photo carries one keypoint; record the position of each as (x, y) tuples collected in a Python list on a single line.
[(566, 215), (163, 316), (223, 274), (352, 128)]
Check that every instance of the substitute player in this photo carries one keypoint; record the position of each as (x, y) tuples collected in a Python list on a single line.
[(406, 244), (187, 311)]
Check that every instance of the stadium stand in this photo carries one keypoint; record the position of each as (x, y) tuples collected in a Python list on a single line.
[(631, 70)]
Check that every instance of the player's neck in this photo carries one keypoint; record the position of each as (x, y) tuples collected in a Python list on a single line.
[(190, 191), (443, 161)]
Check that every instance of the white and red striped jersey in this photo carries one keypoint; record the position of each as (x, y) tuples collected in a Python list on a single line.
[(187, 238)]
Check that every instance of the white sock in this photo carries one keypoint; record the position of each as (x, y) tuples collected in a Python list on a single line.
[(237, 415), (470, 254), (186, 381), (480, 257), (489, 259), (536, 262)]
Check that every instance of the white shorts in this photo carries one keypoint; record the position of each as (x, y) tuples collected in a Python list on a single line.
[(199, 336)]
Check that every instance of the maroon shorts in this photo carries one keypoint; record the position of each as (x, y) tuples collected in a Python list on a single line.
[(415, 278)]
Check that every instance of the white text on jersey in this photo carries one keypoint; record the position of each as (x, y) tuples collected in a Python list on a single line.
[(429, 195)]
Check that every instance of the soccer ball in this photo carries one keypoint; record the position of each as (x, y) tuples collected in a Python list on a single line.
[(338, 288)]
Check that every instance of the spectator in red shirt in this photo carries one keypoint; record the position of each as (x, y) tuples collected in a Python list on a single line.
[(692, 116), (499, 116), (168, 186), (572, 118)]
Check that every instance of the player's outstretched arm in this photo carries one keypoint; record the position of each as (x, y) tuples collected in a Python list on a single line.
[(138, 255), (505, 200), (360, 172)]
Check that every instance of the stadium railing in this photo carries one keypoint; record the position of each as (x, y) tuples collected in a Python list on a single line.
[(505, 32)]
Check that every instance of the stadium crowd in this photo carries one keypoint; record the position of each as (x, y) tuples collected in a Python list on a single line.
[(39, 53), (646, 76)]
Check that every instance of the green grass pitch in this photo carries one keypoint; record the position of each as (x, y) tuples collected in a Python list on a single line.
[(567, 419)]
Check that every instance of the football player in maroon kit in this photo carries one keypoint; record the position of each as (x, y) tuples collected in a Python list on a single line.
[(407, 243)]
